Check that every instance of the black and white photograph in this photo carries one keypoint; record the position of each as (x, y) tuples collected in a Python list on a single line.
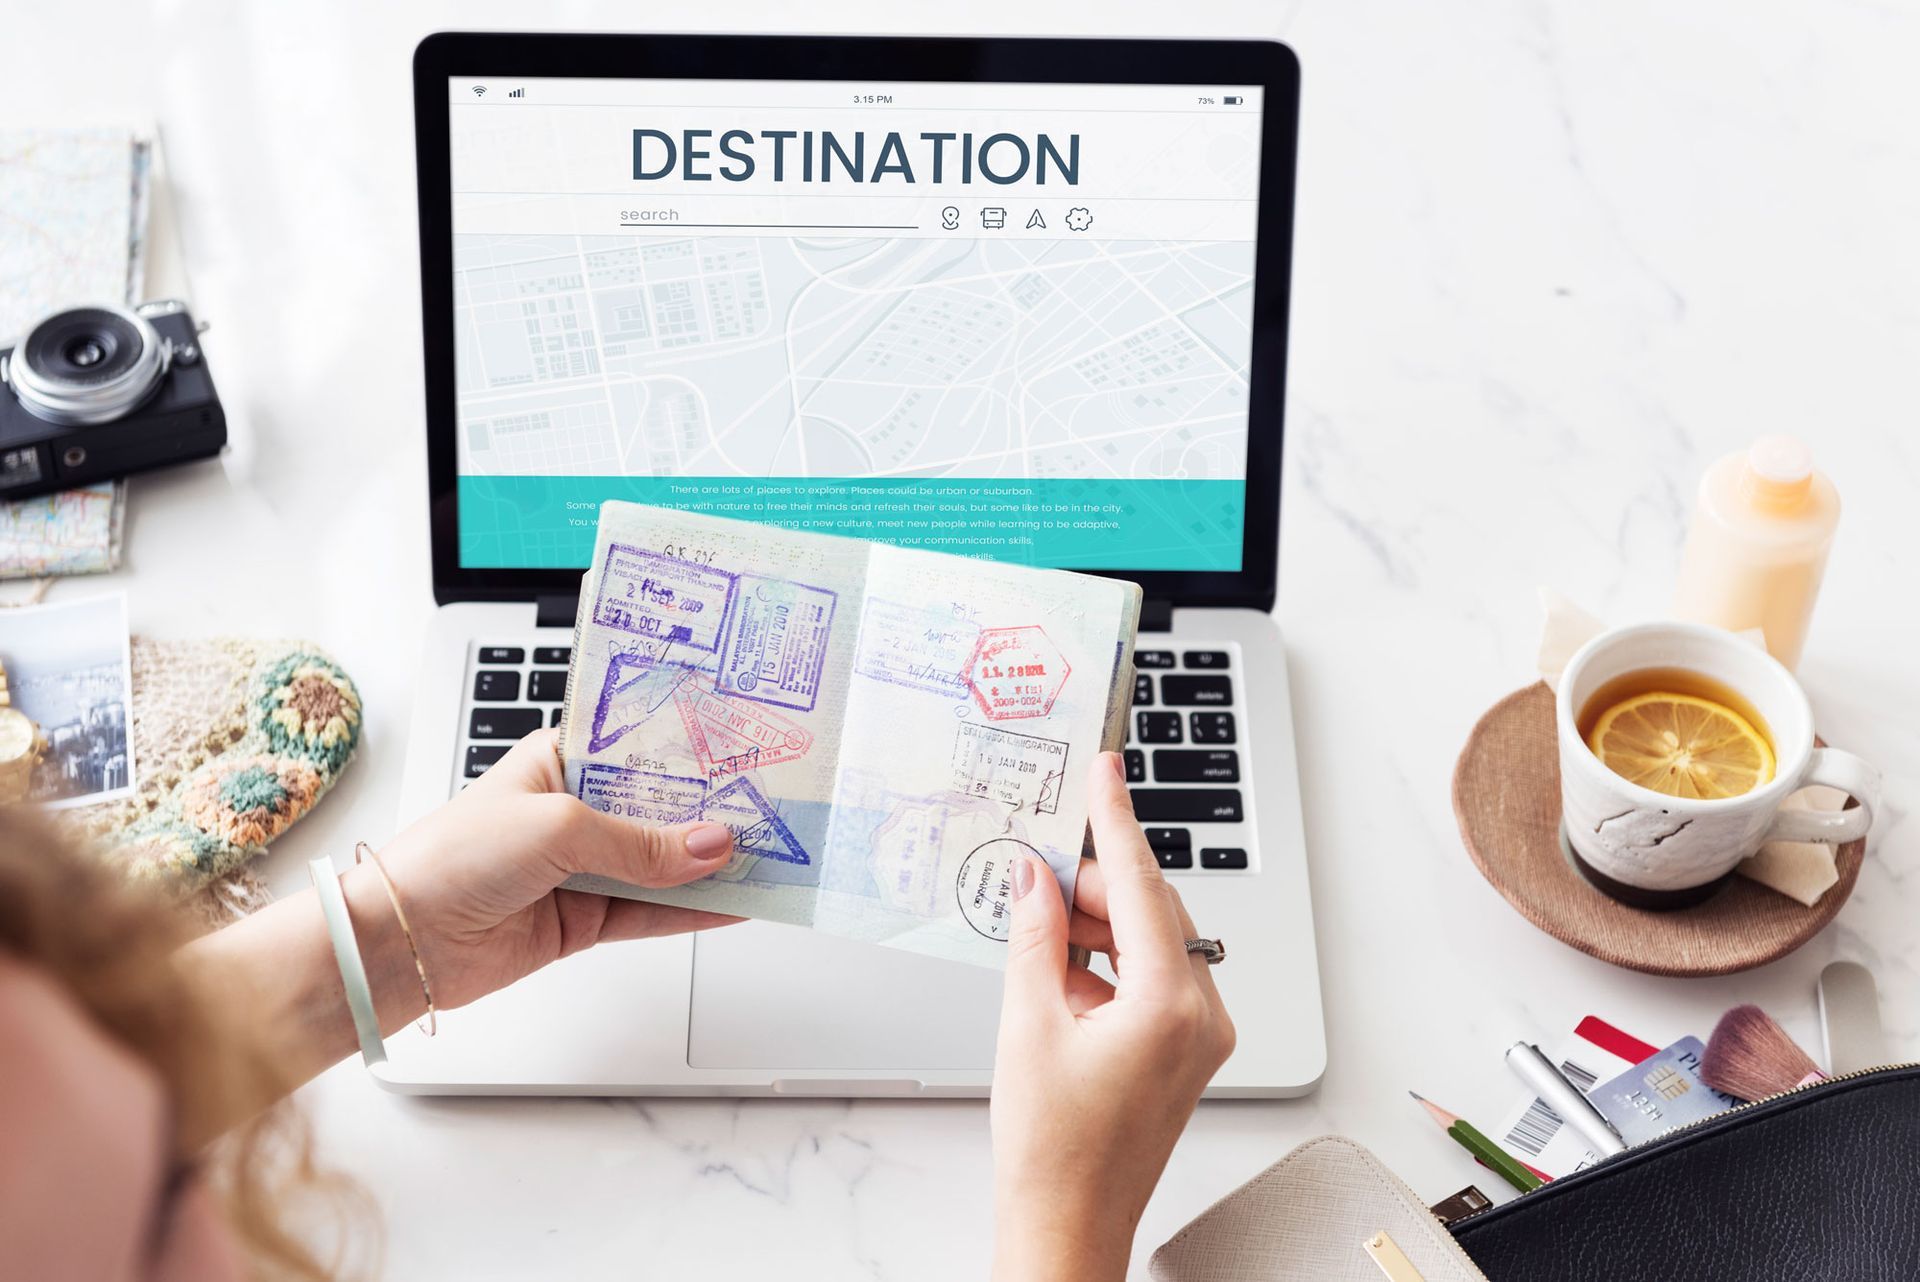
[(68, 669)]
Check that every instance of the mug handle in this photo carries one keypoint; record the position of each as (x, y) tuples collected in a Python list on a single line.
[(1834, 769)]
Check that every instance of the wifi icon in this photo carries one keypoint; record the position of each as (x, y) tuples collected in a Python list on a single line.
[(479, 90)]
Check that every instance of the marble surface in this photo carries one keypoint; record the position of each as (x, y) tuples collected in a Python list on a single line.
[(1552, 258)]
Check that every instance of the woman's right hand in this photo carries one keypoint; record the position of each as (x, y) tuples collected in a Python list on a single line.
[(1093, 1082)]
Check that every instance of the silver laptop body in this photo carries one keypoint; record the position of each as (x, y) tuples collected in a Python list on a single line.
[(533, 295)]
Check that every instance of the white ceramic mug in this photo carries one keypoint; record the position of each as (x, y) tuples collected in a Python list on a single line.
[(1655, 851)]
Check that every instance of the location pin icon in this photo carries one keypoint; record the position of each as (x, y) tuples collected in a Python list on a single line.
[(950, 217)]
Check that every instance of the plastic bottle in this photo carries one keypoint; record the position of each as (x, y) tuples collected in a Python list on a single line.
[(1757, 549)]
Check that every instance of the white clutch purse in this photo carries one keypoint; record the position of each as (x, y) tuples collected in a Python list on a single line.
[(1326, 1212)]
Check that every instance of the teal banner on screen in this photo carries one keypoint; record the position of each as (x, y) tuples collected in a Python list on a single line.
[(547, 522)]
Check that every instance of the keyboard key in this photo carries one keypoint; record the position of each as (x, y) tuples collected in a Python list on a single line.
[(1187, 805), (1142, 689), (1172, 847), (496, 687), (482, 755), (1186, 690), (547, 687), (1136, 765), (1196, 765), (1223, 857), (1212, 727), (1153, 658), (1204, 659), (555, 719), (1157, 727), (502, 654), (558, 654), (503, 723)]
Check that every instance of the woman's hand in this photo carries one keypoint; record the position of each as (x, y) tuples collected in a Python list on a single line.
[(479, 877), (1094, 1082)]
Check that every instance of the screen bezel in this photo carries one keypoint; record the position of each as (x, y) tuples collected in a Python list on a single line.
[(499, 55)]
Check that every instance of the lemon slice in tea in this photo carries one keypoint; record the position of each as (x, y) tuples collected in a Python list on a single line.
[(1682, 745)]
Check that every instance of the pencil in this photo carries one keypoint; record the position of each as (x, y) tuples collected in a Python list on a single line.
[(1490, 1154)]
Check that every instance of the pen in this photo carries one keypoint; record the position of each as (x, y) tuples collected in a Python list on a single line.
[(1470, 1139), (1552, 1086)]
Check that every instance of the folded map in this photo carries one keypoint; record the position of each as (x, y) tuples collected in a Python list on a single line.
[(883, 729)]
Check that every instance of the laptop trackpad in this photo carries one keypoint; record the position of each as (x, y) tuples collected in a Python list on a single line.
[(783, 998)]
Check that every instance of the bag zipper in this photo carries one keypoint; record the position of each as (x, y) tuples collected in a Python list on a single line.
[(1682, 1129), (1412, 1199)]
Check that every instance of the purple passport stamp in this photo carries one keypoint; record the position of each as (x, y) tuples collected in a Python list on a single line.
[(663, 598)]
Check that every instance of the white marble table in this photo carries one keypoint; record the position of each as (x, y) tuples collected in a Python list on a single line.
[(1551, 259)]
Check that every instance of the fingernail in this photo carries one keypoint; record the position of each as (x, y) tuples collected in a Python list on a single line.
[(1022, 876), (1119, 766), (709, 841)]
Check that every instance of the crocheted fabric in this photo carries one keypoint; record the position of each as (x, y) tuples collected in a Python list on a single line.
[(234, 740)]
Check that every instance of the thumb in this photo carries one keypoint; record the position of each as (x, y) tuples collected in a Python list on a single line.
[(1037, 940), (670, 855)]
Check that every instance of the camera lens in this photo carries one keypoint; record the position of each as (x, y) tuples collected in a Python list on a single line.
[(88, 365)]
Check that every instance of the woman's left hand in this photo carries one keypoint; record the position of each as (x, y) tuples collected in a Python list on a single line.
[(480, 877)]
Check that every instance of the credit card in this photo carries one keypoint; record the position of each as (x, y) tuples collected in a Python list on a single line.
[(1660, 1093)]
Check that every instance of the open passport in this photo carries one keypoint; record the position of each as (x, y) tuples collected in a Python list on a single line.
[(881, 728)]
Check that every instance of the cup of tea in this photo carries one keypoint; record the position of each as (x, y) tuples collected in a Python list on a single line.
[(1678, 742)]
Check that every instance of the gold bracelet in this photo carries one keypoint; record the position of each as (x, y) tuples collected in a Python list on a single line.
[(360, 849)]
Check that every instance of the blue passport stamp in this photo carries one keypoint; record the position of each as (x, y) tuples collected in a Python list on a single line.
[(916, 647), (640, 794), (776, 644)]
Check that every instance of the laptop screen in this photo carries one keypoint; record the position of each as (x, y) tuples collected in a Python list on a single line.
[(1004, 320)]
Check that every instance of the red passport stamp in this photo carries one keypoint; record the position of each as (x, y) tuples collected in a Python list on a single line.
[(1016, 672)]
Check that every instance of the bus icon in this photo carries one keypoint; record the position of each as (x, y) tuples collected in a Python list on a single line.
[(993, 217)]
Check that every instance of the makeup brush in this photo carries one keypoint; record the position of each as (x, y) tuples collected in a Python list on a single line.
[(1751, 1057)]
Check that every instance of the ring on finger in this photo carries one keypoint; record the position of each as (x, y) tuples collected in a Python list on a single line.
[(1214, 950)]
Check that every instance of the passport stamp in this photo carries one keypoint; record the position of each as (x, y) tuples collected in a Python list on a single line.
[(663, 598), (640, 794), (733, 736), (1020, 771), (1016, 672), (633, 689), (776, 642), (916, 647), (985, 885), (755, 824)]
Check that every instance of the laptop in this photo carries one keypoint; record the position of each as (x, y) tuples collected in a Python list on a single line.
[(1011, 298)]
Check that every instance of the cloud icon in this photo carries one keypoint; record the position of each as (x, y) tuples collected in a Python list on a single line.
[(1079, 218)]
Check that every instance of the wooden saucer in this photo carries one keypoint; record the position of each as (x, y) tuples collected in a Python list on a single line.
[(1506, 795)]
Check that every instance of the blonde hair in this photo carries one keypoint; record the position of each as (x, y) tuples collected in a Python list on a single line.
[(112, 948)]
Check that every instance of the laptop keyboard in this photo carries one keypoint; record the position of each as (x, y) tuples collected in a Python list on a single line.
[(1185, 756), (512, 690)]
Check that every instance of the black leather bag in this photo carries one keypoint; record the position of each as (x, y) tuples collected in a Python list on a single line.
[(1821, 1184)]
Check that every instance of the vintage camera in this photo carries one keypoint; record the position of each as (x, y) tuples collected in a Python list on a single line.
[(94, 393)]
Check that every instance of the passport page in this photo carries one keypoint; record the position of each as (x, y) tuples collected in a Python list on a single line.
[(881, 728)]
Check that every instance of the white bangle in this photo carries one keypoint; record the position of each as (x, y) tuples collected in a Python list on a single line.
[(346, 954)]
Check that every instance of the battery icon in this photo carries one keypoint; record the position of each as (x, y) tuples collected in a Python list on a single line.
[(1232, 100)]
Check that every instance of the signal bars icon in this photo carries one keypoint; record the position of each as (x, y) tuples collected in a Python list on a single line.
[(516, 93)]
